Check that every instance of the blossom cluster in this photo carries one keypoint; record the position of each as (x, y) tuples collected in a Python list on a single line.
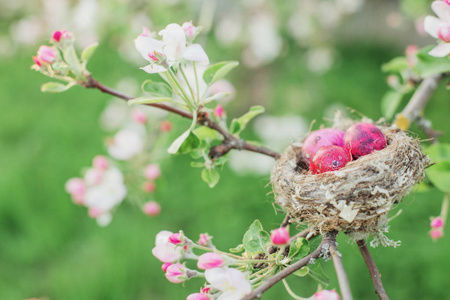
[(439, 27)]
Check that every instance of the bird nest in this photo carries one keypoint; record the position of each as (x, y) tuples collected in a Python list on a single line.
[(358, 197)]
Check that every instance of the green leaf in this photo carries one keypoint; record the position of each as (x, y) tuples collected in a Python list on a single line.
[(390, 103), (237, 125), (302, 272), (218, 71), (157, 89), (316, 273), (439, 175), (237, 249), (256, 239), (438, 152), (196, 164), (55, 87), (148, 100), (299, 248), (175, 146), (71, 58), (88, 52), (395, 65), (428, 65), (204, 133), (191, 143), (210, 176)]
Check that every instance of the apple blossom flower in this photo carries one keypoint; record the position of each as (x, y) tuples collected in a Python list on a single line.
[(37, 61), (100, 162), (46, 54), (219, 112), (93, 176), (175, 238), (57, 35), (204, 239), (164, 250), (151, 208), (436, 233), (148, 186), (165, 126), (326, 295), (231, 282), (152, 172), (210, 260), (279, 236), (198, 296), (165, 266), (126, 144), (175, 273), (107, 194), (437, 222), (439, 28), (189, 29), (139, 116), (75, 186)]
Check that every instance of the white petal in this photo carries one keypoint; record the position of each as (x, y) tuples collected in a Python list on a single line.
[(217, 277), (440, 50), (195, 52), (146, 45), (154, 68), (104, 219), (174, 40), (442, 10), (431, 25)]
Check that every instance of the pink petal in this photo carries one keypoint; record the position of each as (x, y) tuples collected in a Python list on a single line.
[(195, 52), (431, 25), (442, 10), (440, 50)]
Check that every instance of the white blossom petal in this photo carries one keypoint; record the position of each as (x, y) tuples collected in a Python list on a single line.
[(146, 45), (154, 68), (431, 25), (195, 52), (104, 219), (442, 10), (126, 144), (174, 40), (440, 50)]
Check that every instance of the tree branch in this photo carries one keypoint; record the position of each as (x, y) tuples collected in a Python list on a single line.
[(374, 273), (257, 293), (344, 285), (229, 142)]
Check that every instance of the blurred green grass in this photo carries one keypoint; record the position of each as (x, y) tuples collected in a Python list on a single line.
[(49, 247)]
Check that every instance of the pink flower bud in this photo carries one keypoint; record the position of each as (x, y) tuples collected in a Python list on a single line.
[(139, 117), (447, 1), (436, 233), (210, 260), (152, 172), (175, 272), (279, 236), (204, 239), (410, 53), (165, 126), (437, 222), (145, 31), (165, 266), (326, 295), (205, 290), (198, 296), (94, 212), (75, 186), (443, 31), (148, 186), (57, 35), (100, 162), (37, 61), (189, 29), (46, 54), (219, 112), (175, 238), (151, 208)]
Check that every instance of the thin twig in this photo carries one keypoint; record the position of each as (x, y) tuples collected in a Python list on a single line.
[(229, 142), (344, 284), (257, 293), (374, 273)]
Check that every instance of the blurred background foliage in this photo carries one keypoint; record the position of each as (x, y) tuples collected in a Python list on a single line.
[(50, 249)]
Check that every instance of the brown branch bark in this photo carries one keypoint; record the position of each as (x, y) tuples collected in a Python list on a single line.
[(374, 273), (229, 142), (344, 284), (257, 293)]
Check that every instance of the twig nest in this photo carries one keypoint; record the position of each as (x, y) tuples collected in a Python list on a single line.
[(357, 197)]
